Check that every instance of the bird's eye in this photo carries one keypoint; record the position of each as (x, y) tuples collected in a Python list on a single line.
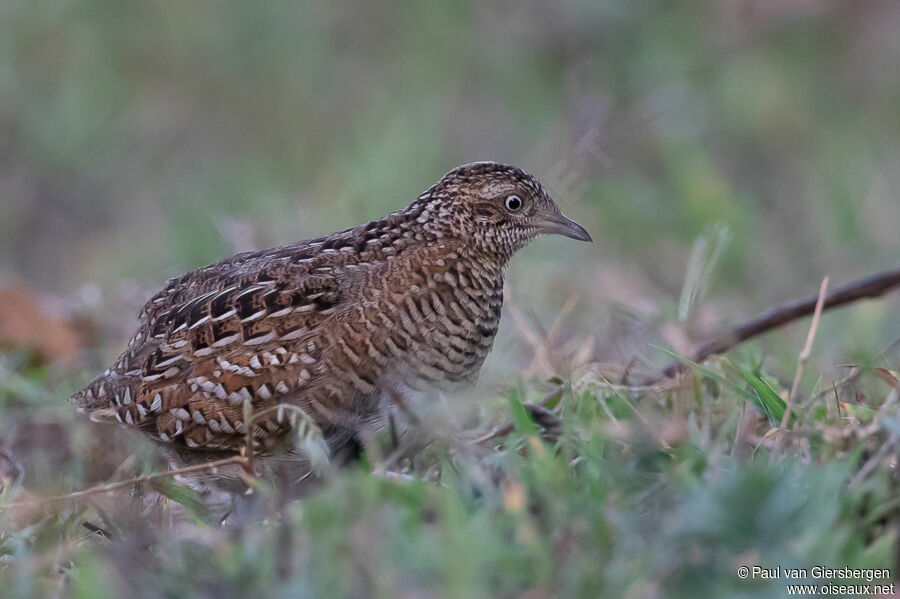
[(513, 203)]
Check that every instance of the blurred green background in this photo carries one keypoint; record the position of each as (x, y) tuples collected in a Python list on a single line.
[(140, 140), (725, 154)]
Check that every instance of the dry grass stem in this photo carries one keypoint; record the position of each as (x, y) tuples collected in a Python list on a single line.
[(805, 352), (107, 488)]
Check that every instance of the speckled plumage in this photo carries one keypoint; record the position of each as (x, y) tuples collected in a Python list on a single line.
[(410, 301)]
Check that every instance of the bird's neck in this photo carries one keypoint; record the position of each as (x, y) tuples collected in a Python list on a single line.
[(432, 219)]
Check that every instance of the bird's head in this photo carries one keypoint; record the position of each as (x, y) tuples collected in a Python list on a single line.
[(495, 208)]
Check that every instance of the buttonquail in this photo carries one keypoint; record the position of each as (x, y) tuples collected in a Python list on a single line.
[(344, 326)]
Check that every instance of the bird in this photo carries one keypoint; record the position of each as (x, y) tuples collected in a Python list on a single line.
[(351, 328)]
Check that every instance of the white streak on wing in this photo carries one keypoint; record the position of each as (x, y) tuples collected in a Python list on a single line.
[(263, 339), (225, 340)]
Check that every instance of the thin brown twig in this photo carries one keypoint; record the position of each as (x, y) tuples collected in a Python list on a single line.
[(502, 431), (851, 377), (872, 462), (870, 287), (100, 489), (837, 400), (855, 372)]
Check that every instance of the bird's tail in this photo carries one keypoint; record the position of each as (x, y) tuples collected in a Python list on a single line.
[(97, 398)]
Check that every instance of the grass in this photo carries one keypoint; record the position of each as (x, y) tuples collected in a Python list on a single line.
[(147, 139), (658, 492)]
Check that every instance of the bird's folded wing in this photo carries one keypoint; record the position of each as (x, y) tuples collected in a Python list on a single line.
[(189, 368)]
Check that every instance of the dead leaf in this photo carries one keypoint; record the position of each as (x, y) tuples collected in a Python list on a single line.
[(40, 325)]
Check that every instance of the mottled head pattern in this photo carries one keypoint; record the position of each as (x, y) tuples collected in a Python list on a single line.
[(497, 208), (340, 326)]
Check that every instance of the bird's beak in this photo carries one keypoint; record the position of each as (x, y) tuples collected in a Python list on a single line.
[(559, 224)]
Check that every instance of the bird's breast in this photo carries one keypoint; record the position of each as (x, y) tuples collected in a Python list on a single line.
[(429, 326)]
